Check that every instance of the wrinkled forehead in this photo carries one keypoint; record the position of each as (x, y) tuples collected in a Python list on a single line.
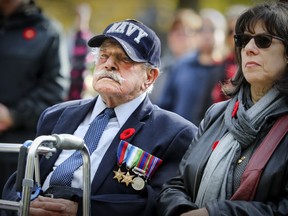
[(111, 44)]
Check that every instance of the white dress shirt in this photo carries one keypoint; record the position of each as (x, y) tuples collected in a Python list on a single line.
[(122, 112)]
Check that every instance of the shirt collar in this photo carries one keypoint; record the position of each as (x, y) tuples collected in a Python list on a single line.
[(122, 111)]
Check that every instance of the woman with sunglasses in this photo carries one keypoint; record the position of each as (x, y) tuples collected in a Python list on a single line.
[(230, 169)]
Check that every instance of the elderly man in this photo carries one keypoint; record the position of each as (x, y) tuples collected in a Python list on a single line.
[(141, 145)]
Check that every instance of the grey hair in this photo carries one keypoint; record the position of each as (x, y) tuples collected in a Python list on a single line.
[(147, 66)]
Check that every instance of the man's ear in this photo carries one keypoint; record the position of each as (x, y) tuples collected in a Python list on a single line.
[(152, 75)]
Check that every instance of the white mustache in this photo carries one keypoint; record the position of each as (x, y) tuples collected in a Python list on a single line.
[(110, 74)]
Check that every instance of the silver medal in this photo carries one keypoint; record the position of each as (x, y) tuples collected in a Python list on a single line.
[(138, 183)]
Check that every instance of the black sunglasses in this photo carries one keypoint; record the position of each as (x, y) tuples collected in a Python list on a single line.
[(261, 40)]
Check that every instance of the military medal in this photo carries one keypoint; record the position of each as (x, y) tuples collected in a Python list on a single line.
[(118, 174), (140, 162), (140, 169), (145, 167), (121, 157), (138, 183), (127, 178), (153, 165), (133, 156)]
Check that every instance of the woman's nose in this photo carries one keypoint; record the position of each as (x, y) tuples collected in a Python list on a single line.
[(251, 47)]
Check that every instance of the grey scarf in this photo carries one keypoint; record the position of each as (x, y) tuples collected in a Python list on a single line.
[(242, 131)]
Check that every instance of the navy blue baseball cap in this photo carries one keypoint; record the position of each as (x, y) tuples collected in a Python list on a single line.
[(139, 41)]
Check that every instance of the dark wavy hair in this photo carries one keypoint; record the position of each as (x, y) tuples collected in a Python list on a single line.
[(274, 16)]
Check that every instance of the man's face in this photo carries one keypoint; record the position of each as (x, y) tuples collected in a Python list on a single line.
[(116, 77)]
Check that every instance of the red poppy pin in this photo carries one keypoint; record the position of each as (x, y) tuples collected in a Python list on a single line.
[(29, 33), (127, 133), (235, 109), (214, 145)]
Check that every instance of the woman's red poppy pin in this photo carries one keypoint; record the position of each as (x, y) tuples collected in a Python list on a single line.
[(214, 145), (235, 109)]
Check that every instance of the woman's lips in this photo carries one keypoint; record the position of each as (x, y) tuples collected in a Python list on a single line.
[(251, 64)]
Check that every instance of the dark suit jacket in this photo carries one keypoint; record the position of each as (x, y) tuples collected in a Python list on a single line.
[(159, 132)]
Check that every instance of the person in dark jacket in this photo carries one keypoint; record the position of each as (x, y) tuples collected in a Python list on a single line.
[(229, 137), (33, 72)]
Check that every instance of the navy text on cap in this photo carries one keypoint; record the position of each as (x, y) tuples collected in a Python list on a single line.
[(139, 41)]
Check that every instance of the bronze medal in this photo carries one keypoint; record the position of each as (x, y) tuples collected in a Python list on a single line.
[(127, 178), (118, 175)]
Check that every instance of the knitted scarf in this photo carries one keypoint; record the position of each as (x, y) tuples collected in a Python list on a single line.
[(243, 126)]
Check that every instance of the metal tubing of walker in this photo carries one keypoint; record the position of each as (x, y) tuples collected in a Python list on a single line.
[(28, 181), (32, 165), (10, 205), (86, 180), (10, 147), (15, 148)]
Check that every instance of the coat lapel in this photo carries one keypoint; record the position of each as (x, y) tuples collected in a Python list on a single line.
[(72, 118)]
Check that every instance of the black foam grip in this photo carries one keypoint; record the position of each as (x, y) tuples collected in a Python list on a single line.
[(22, 157)]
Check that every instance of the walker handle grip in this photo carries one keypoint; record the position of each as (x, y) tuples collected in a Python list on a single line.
[(21, 166), (68, 141)]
